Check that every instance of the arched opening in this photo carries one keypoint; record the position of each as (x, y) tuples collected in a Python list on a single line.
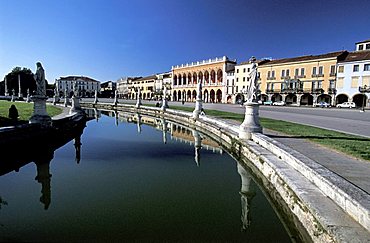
[(180, 79), (144, 96), (200, 77), (219, 76), (219, 96), (291, 99), (183, 95), (184, 79), (276, 97), (263, 97), (360, 100), (174, 96), (205, 96), (195, 80), (194, 95), (175, 80), (179, 97), (239, 99), (228, 99), (206, 77), (306, 99), (341, 98), (324, 98), (188, 97), (212, 96), (213, 77), (189, 79)]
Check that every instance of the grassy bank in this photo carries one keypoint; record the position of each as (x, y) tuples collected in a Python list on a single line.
[(24, 110), (356, 146)]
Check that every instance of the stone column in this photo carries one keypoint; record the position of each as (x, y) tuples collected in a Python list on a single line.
[(6, 87), (20, 95), (96, 97), (164, 99), (66, 99), (198, 102), (115, 101), (28, 96), (197, 146), (246, 196), (138, 102), (299, 97)]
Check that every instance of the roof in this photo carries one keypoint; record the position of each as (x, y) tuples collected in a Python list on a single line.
[(78, 77), (363, 41), (259, 62), (147, 78), (337, 54), (357, 56)]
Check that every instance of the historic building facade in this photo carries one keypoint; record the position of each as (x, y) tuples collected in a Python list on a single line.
[(212, 74), (146, 85), (86, 86), (354, 72), (124, 87), (304, 80)]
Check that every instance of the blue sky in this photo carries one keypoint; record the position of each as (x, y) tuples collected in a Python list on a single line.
[(107, 39)]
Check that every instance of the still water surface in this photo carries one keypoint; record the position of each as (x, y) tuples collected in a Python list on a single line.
[(133, 186)]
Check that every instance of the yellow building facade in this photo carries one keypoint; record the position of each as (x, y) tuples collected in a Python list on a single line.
[(211, 73), (146, 85), (304, 80)]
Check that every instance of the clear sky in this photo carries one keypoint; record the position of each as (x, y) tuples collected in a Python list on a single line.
[(107, 39)]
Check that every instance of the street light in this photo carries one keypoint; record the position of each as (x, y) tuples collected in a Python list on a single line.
[(364, 90)]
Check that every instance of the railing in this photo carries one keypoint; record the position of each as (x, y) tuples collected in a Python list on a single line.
[(271, 78), (317, 75)]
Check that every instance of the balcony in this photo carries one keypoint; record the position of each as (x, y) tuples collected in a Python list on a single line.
[(271, 78), (318, 91), (299, 76), (332, 74), (317, 75)]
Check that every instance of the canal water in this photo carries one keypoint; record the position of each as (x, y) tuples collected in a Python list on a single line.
[(128, 182)]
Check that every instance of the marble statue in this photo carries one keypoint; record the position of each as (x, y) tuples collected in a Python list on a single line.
[(40, 80), (253, 79)]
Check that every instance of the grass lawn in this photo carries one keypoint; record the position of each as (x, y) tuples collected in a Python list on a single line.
[(24, 110), (356, 146)]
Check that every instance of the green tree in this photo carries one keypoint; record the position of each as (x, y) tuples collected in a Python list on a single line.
[(26, 77)]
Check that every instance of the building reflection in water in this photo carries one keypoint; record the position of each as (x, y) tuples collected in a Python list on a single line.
[(246, 196)]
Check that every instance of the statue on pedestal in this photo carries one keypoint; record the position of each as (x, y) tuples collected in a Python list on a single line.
[(253, 82), (198, 103), (40, 80)]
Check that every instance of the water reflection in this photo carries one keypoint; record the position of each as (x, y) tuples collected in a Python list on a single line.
[(40, 148), (246, 196)]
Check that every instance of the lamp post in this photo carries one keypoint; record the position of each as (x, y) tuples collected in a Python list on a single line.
[(364, 90)]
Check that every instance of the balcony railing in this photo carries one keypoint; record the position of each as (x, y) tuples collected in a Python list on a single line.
[(317, 75), (271, 78), (332, 90), (332, 74)]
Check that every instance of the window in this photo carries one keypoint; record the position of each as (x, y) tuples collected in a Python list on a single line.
[(236, 89), (313, 85), (282, 73), (360, 47), (237, 70), (340, 83), (332, 69), (340, 69), (321, 68), (237, 79), (268, 74), (354, 82), (243, 79), (366, 81), (319, 84), (332, 84), (302, 71), (243, 70), (356, 68), (287, 72), (314, 71), (248, 70), (367, 67), (367, 46), (273, 74), (296, 72)]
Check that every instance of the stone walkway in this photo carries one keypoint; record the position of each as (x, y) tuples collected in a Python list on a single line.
[(352, 169)]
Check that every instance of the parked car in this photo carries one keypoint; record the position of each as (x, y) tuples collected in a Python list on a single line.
[(322, 104), (279, 103), (347, 105), (269, 102)]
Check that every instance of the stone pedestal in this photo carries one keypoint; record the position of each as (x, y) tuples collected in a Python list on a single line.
[(164, 104), (56, 99), (96, 97), (66, 101), (138, 102), (75, 105), (251, 122), (39, 110)]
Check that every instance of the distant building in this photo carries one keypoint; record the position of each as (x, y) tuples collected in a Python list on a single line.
[(107, 89), (363, 45), (146, 85), (304, 80), (163, 79), (354, 72), (86, 86), (124, 87), (212, 74)]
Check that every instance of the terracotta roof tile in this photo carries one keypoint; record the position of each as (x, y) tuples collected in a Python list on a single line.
[(357, 56)]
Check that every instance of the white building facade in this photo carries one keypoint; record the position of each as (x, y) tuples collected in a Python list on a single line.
[(353, 72), (86, 86)]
